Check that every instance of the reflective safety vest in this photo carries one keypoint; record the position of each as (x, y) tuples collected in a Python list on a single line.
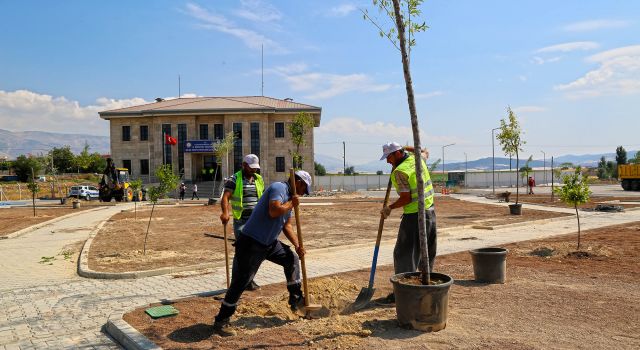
[(203, 171), (408, 167), (236, 197)]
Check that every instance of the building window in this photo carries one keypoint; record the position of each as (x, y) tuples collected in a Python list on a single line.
[(280, 164), (126, 163), (255, 139), (218, 131), (144, 166), (182, 139), (237, 147), (279, 130), (126, 133), (144, 132), (166, 130), (204, 131)]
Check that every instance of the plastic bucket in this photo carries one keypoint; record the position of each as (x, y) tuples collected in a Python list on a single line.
[(489, 264)]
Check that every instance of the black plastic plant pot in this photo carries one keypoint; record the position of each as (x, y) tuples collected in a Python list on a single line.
[(421, 307), (515, 209), (489, 264)]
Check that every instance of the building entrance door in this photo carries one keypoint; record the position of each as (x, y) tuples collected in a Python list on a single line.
[(210, 168)]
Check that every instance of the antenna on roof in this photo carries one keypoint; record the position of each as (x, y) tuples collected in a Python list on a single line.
[(179, 92), (262, 60)]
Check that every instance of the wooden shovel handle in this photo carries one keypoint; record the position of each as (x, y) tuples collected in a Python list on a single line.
[(292, 180), (226, 254)]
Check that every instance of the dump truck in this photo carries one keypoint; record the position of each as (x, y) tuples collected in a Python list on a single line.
[(118, 188), (629, 175)]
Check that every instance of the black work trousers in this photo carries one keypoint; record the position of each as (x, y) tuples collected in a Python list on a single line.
[(249, 256), (406, 254)]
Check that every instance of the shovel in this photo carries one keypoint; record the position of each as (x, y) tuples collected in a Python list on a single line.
[(226, 254), (307, 305), (366, 293)]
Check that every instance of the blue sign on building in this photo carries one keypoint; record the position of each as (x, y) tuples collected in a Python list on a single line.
[(199, 146)]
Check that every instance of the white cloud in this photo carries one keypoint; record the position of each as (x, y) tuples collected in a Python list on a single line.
[(358, 131), (258, 10), (572, 46), (540, 60), (586, 26), (213, 21), (342, 10), (429, 94), (24, 110), (325, 85), (618, 74), (528, 109)]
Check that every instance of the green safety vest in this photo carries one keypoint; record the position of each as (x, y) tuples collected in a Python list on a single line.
[(408, 167), (236, 197), (203, 171)]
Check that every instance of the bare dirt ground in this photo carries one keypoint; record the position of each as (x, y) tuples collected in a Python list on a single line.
[(551, 299), (177, 235), (545, 199), (17, 218)]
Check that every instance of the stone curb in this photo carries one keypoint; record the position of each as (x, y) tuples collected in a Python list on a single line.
[(45, 223), (127, 336)]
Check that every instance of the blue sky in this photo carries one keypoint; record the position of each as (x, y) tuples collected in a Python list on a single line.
[(570, 69)]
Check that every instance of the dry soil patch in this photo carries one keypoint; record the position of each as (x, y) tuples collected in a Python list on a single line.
[(558, 301), (189, 235), (16, 218)]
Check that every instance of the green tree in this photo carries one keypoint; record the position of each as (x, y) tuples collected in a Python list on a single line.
[(5, 164), (97, 164), (350, 170), (319, 169), (136, 186), (400, 15), (221, 150), (23, 167), (567, 165), (612, 169), (63, 159), (574, 192), (621, 155), (168, 181), (33, 188), (83, 160), (510, 138), (636, 159), (300, 126), (602, 169)]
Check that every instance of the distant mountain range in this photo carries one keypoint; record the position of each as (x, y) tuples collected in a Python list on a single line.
[(13, 144), (335, 165)]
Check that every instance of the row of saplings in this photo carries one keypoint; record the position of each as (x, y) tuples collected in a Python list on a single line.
[(422, 298)]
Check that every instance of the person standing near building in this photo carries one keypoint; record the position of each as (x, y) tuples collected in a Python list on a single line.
[(195, 192), (243, 190), (532, 184), (259, 241), (183, 189), (406, 254)]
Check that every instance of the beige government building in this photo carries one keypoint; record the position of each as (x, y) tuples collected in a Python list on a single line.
[(260, 125)]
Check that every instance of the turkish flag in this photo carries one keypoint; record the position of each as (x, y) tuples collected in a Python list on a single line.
[(168, 140)]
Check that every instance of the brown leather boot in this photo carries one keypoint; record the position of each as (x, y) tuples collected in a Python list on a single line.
[(223, 329)]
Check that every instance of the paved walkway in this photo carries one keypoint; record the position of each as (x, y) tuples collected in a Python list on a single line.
[(69, 313)]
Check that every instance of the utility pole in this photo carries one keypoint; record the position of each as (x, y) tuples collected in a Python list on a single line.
[(179, 87), (544, 166), (465, 170), (551, 179), (344, 159), (451, 144)]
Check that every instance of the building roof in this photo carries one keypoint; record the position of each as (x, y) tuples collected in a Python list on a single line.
[(213, 105)]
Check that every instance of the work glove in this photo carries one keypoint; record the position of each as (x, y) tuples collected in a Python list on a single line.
[(385, 212)]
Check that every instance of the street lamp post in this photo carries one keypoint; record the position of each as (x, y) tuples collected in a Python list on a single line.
[(493, 160), (465, 170), (451, 144), (544, 166)]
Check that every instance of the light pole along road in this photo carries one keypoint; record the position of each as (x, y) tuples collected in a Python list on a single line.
[(493, 160), (451, 144)]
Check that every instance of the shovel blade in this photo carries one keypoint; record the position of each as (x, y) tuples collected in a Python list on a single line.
[(363, 299)]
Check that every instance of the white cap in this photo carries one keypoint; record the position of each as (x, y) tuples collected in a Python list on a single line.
[(306, 178), (252, 161), (389, 148)]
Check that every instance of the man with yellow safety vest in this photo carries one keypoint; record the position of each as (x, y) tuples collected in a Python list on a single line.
[(243, 190), (406, 254)]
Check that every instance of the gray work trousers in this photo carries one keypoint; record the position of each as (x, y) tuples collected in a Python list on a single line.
[(406, 254)]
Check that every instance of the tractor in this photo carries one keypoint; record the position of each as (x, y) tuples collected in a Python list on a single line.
[(119, 189)]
